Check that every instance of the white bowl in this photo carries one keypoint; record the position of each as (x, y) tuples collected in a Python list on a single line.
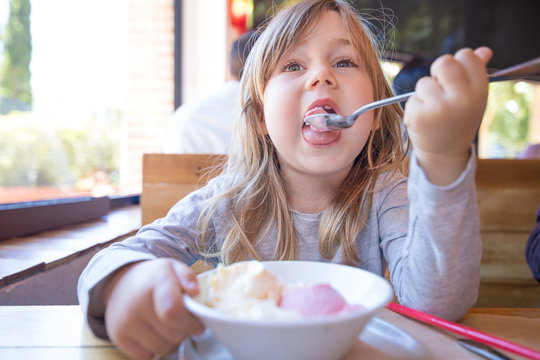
[(324, 338)]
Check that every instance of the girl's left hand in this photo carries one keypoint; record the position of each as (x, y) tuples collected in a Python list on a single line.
[(445, 114)]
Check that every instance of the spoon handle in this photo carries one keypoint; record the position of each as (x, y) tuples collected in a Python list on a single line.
[(531, 67), (381, 103)]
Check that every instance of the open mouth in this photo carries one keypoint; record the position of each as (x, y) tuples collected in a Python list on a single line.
[(322, 109), (318, 136)]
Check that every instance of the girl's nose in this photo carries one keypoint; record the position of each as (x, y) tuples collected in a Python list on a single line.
[(321, 76)]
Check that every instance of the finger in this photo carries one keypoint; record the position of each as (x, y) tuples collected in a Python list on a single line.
[(170, 312), (450, 74), (172, 320), (187, 278), (173, 335), (153, 342), (484, 53), (428, 98), (471, 62), (132, 348), (473, 66), (411, 111), (428, 88), (167, 298), (187, 324)]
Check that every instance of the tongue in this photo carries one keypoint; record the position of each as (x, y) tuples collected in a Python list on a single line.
[(318, 136)]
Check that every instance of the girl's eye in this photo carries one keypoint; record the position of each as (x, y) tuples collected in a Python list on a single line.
[(293, 66), (345, 63)]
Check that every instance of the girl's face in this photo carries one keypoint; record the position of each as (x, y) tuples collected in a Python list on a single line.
[(321, 73)]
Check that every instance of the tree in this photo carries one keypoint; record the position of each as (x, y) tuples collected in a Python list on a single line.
[(15, 71)]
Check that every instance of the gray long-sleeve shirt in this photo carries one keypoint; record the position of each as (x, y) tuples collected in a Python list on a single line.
[(427, 235)]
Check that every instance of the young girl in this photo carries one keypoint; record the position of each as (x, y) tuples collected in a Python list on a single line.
[(291, 191)]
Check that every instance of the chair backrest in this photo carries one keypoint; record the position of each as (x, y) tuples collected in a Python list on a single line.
[(169, 177), (508, 197)]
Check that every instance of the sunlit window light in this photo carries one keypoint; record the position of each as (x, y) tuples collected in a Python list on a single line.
[(512, 106)]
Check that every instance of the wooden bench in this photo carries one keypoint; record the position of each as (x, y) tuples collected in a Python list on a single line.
[(508, 196), (43, 268)]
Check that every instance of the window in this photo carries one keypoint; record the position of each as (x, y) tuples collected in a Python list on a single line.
[(90, 87), (512, 120), (105, 78)]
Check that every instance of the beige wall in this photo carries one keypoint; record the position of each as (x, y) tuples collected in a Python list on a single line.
[(204, 47)]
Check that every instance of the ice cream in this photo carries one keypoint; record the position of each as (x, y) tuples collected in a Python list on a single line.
[(248, 290), (316, 300)]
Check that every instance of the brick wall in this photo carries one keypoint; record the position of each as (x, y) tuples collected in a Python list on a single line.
[(150, 94)]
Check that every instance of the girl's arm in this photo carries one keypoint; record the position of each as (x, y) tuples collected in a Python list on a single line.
[(445, 114), (432, 243), (436, 266)]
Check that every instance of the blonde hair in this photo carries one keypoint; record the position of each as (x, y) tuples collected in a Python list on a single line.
[(255, 197)]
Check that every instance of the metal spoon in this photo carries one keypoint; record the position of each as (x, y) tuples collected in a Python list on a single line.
[(337, 122)]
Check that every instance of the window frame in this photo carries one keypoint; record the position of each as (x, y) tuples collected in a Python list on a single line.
[(24, 218)]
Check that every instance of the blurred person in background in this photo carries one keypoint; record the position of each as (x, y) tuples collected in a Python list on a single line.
[(531, 152), (532, 250), (207, 126), (406, 79), (412, 71)]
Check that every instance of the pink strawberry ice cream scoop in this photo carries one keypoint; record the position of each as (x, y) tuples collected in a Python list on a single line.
[(316, 300)]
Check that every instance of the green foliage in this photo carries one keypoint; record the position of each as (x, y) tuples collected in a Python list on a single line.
[(90, 150), (510, 124), (32, 155), (15, 71)]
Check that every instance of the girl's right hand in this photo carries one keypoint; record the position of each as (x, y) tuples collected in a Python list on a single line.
[(144, 310)]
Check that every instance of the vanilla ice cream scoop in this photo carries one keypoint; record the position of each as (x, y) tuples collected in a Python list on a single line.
[(247, 290), (243, 280)]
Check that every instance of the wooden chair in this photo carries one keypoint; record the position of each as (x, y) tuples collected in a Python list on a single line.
[(169, 177), (508, 196)]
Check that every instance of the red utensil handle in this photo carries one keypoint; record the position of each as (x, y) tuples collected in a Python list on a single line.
[(466, 331)]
